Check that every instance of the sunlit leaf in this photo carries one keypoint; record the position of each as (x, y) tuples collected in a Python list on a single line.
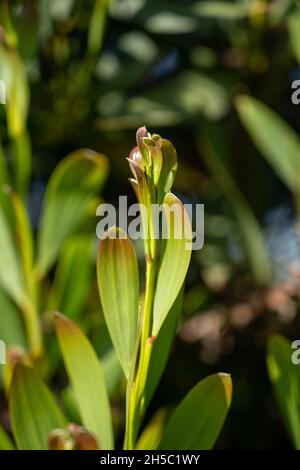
[(72, 187), (87, 378), (33, 410), (12, 330), (175, 260), (285, 378), (118, 283), (274, 138), (198, 419), (10, 271)]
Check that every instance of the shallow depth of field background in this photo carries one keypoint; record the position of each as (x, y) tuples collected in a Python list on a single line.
[(178, 67)]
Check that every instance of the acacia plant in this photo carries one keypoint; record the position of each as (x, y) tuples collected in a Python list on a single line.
[(142, 326)]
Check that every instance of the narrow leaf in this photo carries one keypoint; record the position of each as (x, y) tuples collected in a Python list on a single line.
[(175, 260), (274, 138), (10, 273), (118, 283), (12, 330), (33, 410), (197, 421), (73, 185), (87, 378)]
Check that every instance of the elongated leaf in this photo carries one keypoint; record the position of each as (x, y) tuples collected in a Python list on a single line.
[(285, 378), (97, 26), (33, 410), (72, 187), (175, 260), (197, 421), (12, 330), (251, 235), (5, 440), (10, 271), (274, 138), (118, 283), (112, 370), (87, 378), (73, 277)]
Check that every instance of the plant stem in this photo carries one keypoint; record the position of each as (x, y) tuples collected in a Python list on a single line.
[(137, 391)]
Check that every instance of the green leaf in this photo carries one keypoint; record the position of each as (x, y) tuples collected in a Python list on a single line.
[(197, 421), (97, 26), (175, 259), (72, 187), (274, 138), (112, 370), (118, 282), (152, 434), (10, 272), (73, 277), (87, 378), (285, 379), (12, 330), (33, 410), (250, 231), (5, 441), (161, 348)]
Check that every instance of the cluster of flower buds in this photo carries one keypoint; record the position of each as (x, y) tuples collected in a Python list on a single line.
[(153, 163)]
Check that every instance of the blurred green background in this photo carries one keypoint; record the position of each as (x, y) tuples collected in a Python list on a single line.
[(87, 73)]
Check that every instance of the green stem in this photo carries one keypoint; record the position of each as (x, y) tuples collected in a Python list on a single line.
[(136, 403)]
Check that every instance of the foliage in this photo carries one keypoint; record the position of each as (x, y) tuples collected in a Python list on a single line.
[(84, 74)]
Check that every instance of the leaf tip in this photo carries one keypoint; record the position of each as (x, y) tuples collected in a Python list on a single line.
[(227, 384)]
